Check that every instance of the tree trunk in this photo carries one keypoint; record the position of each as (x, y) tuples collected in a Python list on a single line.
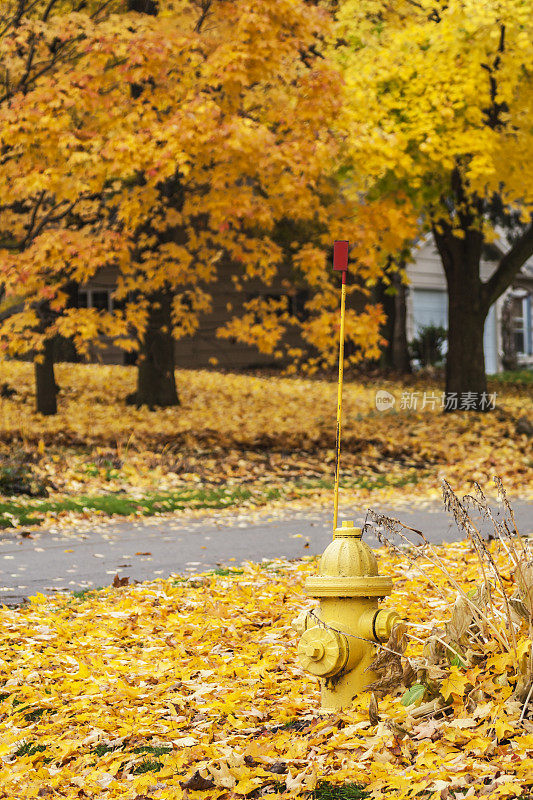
[(45, 382), (380, 295), (395, 355), (156, 384), (401, 361), (466, 381), (469, 297)]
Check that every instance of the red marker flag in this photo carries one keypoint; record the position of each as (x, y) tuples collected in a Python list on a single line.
[(340, 255)]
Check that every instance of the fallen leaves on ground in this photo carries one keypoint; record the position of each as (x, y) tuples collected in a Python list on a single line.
[(191, 688), (273, 435)]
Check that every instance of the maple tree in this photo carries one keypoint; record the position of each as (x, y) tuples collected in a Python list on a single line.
[(51, 232), (254, 103), (440, 109), (183, 135)]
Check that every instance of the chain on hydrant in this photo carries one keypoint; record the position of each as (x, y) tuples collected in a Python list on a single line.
[(337, 642)]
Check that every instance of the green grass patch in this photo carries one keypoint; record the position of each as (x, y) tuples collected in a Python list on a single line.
[(83, 594), (102, 749), (26, 512), (34, 716), (369, 482), (147, 766), (225, 571), (30, 749), (347, 791), (155, 750), (517, 377), (15, 512)]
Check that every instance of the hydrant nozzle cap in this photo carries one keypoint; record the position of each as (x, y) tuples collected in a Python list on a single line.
[(384, 622)]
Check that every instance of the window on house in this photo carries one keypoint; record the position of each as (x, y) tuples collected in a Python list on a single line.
[(95, 298), (100, 299), (518, 323)]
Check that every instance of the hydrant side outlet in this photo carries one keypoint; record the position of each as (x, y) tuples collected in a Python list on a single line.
[(337, 645), (322, 651)]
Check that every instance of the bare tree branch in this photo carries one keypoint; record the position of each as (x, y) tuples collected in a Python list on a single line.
[(48, 9), (206, 5), (508, 267), (34, 217)]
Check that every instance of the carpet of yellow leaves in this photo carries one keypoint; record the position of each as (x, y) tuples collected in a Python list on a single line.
[(252, 431), (191, 688)]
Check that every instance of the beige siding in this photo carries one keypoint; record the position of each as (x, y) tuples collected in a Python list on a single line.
[(426, 271)]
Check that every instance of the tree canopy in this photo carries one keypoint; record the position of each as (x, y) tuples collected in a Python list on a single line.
[(159, 142), (439, 87)]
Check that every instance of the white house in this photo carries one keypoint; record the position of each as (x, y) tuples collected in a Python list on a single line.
[(427, 304)]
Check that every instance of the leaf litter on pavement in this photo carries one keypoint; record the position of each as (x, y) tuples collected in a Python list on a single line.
[(190, 687)]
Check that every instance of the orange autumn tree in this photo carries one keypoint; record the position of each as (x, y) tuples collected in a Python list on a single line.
[(247, 145), (52, 232), (200, 127)]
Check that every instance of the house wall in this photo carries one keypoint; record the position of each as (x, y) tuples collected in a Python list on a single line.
[(427, 302), (199, 350), (525, 294), (529, 324), (106, 352), (490, 342)]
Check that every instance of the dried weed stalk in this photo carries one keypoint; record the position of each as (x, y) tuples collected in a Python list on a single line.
[(498, 611)]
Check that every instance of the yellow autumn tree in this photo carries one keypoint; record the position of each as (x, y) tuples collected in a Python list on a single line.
[(439, 108)]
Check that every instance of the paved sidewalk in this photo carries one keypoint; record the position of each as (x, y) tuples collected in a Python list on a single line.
[(157, 547)]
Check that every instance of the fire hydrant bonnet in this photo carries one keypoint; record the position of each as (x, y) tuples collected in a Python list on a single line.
[(348, 568)]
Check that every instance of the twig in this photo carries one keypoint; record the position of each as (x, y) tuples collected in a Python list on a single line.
[(428, 708), (445, 644), (528, 698)]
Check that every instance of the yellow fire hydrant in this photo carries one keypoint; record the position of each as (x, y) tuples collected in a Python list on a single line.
[(337, 643)]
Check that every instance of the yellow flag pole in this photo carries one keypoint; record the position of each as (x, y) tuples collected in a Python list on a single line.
[(339, 408), (340, 262)]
